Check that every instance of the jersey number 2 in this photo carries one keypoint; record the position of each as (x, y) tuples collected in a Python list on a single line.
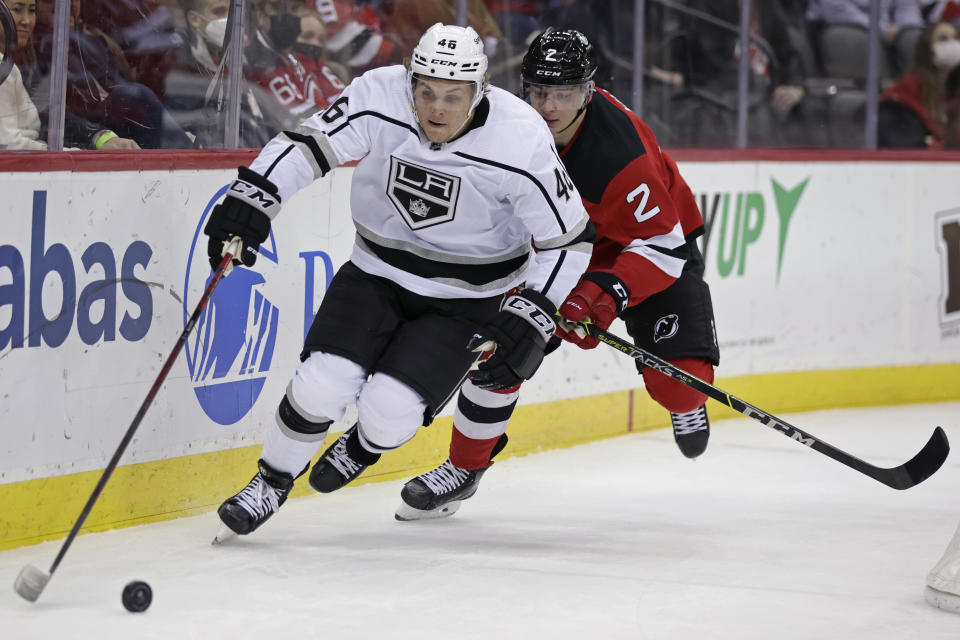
[(642, 192)]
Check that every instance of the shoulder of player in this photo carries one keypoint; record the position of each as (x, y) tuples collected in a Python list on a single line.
[(387, 83), (513, 128), (381, 91), (629, 151), (610, 117)]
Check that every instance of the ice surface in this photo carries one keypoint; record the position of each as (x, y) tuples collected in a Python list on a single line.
[(760, 538)]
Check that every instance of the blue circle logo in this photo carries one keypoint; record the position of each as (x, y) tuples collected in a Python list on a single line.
[(231, 348)]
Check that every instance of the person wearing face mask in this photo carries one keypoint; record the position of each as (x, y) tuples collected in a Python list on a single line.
[(328, 79), (187, 83), (295, 81), (921, 109)]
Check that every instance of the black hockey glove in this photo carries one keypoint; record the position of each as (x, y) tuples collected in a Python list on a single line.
[(521, 331), (251, 202)]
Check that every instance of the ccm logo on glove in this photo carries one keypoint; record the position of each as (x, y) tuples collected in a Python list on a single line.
[(255, 197), (532, 314)]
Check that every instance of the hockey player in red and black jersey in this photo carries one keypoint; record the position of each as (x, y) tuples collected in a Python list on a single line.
[(646, 267)]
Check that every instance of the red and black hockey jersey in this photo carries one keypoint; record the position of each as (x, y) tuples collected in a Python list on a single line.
[(642, 208)]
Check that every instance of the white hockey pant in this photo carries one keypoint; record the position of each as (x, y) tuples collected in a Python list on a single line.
[(324, 385)]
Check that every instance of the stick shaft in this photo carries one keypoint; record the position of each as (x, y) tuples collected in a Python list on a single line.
[(138, 418), (917, 469)]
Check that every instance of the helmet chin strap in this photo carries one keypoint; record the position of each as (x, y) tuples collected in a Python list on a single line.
[(466, 123), (580, 111)]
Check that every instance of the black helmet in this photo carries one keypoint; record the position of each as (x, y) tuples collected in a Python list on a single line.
[(560, 58)]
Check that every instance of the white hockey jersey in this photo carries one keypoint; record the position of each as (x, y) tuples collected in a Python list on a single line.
[(469, 218)]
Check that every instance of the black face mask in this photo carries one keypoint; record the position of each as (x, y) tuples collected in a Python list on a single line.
[(284, 29), (311, 50)]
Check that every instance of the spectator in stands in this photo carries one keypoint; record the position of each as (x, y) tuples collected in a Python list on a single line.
[(942, 11), (894, 14), (146, 32), (99, 87), (768, 21), (408, 19), (921, 110), (355, 35), (313, 34), (312, 43), (518, 19), (193, 87), (710, 57), (295, 81), (896, 17), (78, 132), (19, 120)]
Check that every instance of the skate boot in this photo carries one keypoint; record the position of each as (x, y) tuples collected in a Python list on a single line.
[(691, 431), (341, 463), (438, 493), (259, 500)]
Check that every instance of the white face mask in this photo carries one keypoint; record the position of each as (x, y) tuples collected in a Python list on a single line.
[(215, 32), (946, 54)]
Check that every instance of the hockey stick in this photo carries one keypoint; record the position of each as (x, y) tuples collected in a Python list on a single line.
[(31, 580), (913, 472)]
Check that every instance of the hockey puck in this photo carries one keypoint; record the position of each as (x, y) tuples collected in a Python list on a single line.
[(137, 596)]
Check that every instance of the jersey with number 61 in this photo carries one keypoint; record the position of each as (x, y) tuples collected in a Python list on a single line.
[(642, 208), (469, 218)]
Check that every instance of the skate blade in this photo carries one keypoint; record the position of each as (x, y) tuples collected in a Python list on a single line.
[(406, 513), (942, 599), (224, 534), (30, 582)]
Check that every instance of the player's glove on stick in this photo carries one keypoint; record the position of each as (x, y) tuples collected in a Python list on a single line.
[(521, 331), (599, 297), (251, 202)]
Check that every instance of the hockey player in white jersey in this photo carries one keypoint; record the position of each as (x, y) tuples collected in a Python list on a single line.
[(461, 239)]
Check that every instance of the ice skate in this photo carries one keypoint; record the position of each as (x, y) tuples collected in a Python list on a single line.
[(691, 431), (224, 534), (943, 582), (259, 500), (438, 493), (341, 463)]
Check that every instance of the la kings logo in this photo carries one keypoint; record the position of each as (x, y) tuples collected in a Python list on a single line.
[(424, 197)]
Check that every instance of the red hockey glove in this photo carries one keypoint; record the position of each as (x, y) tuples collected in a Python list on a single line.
[(600, 297)]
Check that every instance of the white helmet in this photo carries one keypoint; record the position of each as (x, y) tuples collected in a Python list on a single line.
[(449, 52)]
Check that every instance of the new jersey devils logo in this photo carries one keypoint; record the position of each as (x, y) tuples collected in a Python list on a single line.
[(666, 327)]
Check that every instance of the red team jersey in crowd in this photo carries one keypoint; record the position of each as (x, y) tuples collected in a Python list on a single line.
[(642, 208), (354, 33), (296, 81)]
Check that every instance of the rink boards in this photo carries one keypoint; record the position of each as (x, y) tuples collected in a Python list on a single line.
[(834, 284)]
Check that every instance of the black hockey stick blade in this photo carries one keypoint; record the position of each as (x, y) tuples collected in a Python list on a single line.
[(912, 472), (31, 581), (926, 462)]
